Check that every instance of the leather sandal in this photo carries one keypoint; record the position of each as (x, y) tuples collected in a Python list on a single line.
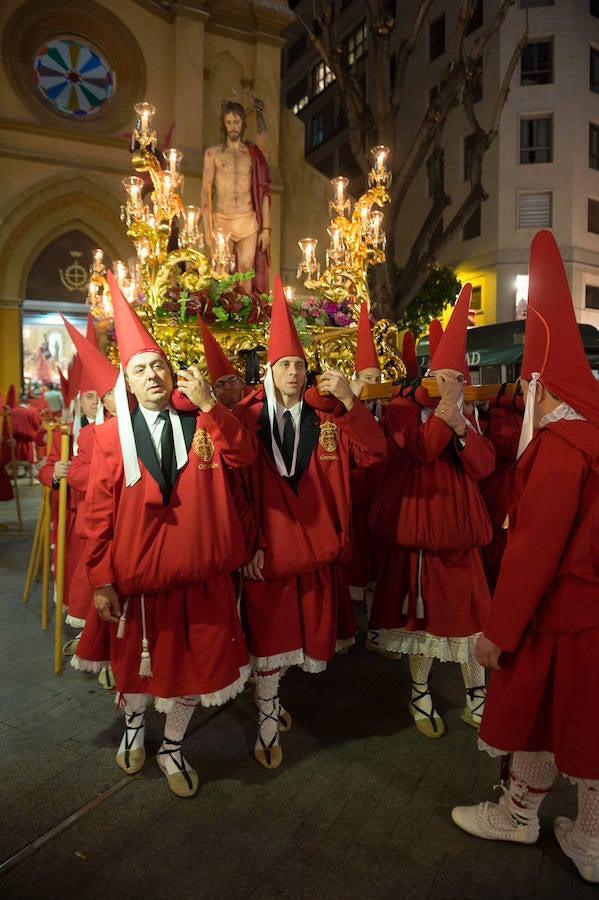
[(473, 712), (433, 725), (132, 760), (269, 755), (184, 782)]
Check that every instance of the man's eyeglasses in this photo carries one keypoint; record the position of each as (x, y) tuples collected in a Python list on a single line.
[(226, 382)]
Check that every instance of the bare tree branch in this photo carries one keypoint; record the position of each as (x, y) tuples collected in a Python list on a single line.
[(381, 123)]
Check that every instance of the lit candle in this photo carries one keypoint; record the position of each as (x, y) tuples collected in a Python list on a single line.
[(377, 219), (120, 271), (340, 184)]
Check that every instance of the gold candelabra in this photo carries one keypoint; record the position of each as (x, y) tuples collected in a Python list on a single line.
[(357, 239), (149, 224)]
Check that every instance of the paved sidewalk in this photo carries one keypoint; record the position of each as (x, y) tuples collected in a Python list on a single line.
[(360, 807)]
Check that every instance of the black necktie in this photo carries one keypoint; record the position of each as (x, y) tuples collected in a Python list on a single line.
[(167, 452), (288, 443)]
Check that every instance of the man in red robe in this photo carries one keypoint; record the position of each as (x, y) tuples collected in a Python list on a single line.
[(163, 534), (431, 596), (299, 487), (542, 635)]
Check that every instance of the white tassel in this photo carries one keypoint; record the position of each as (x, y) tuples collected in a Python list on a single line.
[(122, 620), (145, 662)]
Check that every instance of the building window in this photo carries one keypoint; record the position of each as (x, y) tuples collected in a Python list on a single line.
[(535, 140), (527, 4), (469, 142), (317, 130), (297, 97), (534, 209), (594, 71), (322, 126), (322, 77), (593, 146), (476, 299), (472, 227), (536, 63), (594, 8), (301, 103), (354, 46), (591, 296), (476, 17), (593, 216), (436, 38)]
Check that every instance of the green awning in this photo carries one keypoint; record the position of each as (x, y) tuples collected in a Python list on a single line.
[(503, 343)]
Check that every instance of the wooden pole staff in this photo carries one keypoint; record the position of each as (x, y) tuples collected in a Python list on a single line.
[(36, 549), (47, 525), (60, 552), (472, 392)]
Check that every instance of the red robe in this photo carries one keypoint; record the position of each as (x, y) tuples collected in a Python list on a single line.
[(305, 530), (545, 609), (503, 427), (360, 569), (431, 521), (171, 561), (26, 424)]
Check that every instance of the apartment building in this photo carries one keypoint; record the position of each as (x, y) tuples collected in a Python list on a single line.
[(542, 170)]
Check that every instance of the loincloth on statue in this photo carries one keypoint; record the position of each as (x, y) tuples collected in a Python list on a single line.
[(238, 227)]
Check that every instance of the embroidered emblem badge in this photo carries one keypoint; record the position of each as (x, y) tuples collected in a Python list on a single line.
[(328, 436), (202, 445)]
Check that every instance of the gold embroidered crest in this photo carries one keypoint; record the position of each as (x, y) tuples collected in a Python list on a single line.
[(202, 445), (328, 436)]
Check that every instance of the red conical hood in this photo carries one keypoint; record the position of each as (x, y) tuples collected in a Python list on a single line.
[(132, 336), (552, 342), (366, 357), (64, 387), (99, 371), (90, 334), (216, 360), (435, 333), (74, 379), (451, 350), (408, 354), (11, 397), (284, 339)]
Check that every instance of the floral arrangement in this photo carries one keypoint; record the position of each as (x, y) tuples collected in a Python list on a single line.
[(319, 311), (218, 303)]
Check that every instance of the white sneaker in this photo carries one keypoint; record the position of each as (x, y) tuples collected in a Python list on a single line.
[(493, 822), (575, 845)]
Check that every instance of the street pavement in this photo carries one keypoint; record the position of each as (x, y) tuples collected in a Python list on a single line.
[(360, 807)]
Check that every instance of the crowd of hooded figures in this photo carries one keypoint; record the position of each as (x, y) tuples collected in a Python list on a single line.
[(215, 531)]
